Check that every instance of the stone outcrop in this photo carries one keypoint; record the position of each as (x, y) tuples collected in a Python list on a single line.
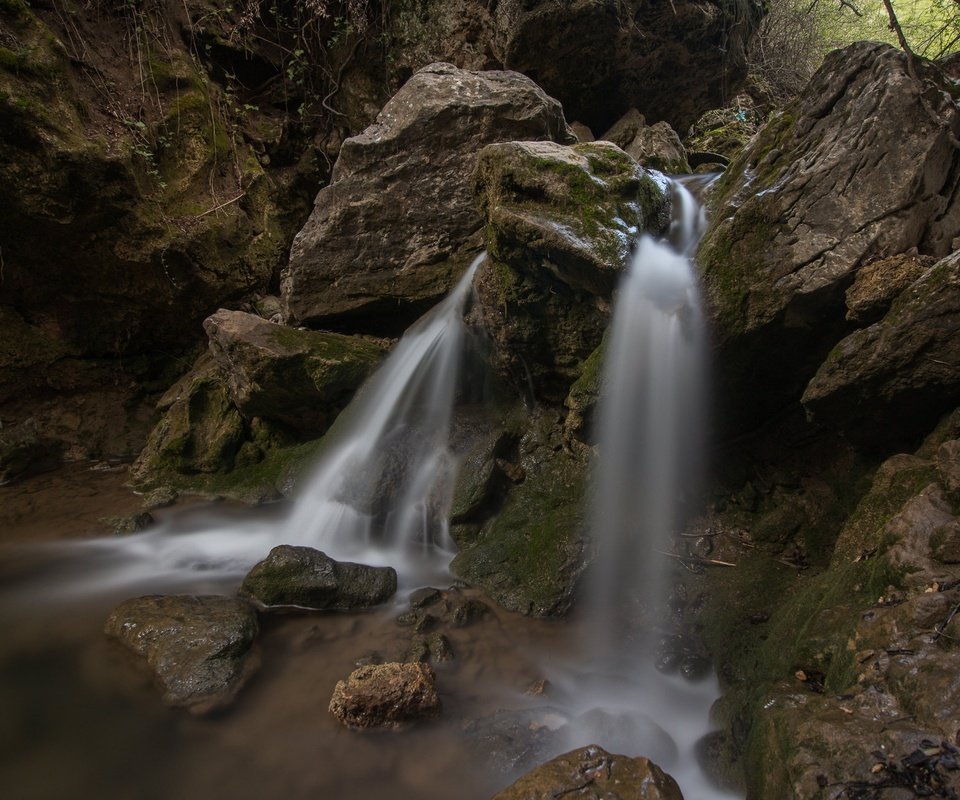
[(599, 59), (301, 379), (885, 382), (529, 554), (852, 171), (592, 772), (653, 146), (304, 577), (199, 647), (396, 226), (560, 224), (386, 696)]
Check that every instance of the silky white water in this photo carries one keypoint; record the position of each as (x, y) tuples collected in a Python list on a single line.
[(650, 423), (379, 494)]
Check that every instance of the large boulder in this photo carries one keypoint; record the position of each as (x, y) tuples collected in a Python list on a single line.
[(560, 225), (855, 169), (199, 647), (592, 772), (302, 576), (386, 695), (301, 379), (886, 381), (396, 226)]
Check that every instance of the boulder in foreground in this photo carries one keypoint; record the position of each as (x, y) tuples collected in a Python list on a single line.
[(199, 647), (592, 772), (386, 695)]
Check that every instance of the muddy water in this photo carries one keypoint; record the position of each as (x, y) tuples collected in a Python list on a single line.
[(80, 718)]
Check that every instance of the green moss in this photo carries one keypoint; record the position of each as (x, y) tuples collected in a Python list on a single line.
[(529, 557)]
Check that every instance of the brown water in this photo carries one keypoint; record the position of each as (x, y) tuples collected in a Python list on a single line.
[(80, 718)]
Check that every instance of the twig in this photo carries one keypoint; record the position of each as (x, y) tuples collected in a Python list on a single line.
[(696, 559), (907, 718), (943, 625), (222, 205)]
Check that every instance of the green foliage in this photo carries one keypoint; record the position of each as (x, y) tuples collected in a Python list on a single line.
[(797, 34)]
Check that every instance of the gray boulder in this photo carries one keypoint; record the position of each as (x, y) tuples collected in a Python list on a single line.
[(852, 171), (199, 647), (887, 381), (397, 225), (302, 379), (302, 576)]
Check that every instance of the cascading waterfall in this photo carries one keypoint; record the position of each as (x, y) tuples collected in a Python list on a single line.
[(650, 429), (379, 494), (650, 421)]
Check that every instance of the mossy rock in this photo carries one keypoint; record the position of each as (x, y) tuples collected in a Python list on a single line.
[(529, 557), (560, 225)]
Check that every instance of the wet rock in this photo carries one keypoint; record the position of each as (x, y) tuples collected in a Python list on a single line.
[(653, 146), (161, 497), (601, 59), (301, 379), (436, 648), (424, 597), (724, 131), (529, 557), (199, 647), (386, 695), (200, 431), (560, 224), (593, 772), (304, 577), (397, 226), (948, 465), (818, 193), (904, 368), (126, 525)]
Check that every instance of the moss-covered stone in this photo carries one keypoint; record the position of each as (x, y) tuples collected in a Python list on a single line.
[(560, 224), (529, 557), (304, 577)]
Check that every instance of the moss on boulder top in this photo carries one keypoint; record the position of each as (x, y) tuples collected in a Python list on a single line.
[(560, 225)]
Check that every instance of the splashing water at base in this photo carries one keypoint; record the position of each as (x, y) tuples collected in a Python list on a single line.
[(650, 429), (380, 493)]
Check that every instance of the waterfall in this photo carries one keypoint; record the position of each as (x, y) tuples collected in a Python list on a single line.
[(650, 440), (380, 492), (386, 481), (650, 420)]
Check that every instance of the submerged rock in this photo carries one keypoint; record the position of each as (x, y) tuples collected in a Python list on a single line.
[(199, 647), (592, 772), (560, 225), (819, 192), (301, 379), (386, 695), (396, 226), (885, 382), (302, 576)]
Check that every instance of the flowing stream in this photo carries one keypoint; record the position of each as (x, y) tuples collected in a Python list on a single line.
[(380, 494)]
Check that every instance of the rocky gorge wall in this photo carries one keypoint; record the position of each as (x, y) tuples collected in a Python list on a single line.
[(829, 268)]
